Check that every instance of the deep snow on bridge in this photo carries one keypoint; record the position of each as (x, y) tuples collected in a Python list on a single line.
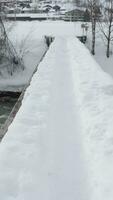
[(59, 144)]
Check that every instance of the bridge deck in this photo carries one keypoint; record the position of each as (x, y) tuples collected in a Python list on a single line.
[(44, 154)]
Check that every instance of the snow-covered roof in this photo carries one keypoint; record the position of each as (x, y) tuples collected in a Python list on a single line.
[(26, 9), (7, 1)]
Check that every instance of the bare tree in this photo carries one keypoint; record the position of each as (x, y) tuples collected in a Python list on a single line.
[(77, 2), (2, 34), (8, 56), (106, 25), (93, 7)]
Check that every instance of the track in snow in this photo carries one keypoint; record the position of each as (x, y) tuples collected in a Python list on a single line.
[(64, 177)]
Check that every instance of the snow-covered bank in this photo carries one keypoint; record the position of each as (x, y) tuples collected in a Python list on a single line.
[(94, 93), (29, 48), (100, 50), (28, 40), (105, 63)]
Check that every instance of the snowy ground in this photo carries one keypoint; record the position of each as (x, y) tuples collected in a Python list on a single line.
[(60, 145), (100, 50), (105, 63)]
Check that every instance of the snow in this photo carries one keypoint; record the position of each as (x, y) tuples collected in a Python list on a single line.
[(29, 48), (105, 63), (94, 93), (28, 40), (38, 15), (100, 50), (38, 156), (60, 144), (52, 28)]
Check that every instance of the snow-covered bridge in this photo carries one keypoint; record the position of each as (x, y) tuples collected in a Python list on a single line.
[(59, 144)]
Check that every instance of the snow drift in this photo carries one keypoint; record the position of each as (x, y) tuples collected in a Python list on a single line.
[(94, 94)]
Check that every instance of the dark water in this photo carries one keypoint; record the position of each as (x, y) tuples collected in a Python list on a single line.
[(7, 102)]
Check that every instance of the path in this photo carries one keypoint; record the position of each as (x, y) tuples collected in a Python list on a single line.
[(43, 151)]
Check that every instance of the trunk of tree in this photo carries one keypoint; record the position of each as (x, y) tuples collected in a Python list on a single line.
[(108, 49), (93, 21), (93, 36), (109, 36)]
